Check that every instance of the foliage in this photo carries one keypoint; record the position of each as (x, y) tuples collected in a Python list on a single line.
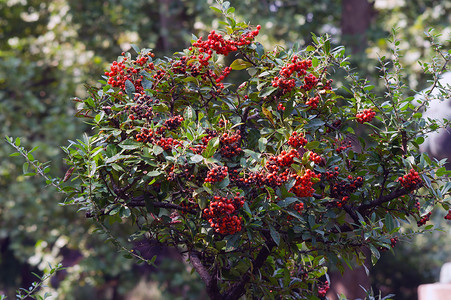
[(259, 185), (23, 293)]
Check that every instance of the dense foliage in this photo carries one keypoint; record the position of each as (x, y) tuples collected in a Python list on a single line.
[(258, 185)]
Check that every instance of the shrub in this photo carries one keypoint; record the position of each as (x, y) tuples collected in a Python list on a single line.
[(260, 185)]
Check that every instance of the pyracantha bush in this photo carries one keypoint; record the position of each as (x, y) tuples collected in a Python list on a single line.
[(260, 185)]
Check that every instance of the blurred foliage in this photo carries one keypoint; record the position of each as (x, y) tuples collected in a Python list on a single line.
[(49, 49)]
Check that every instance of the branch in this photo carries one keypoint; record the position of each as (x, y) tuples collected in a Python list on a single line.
[(210, 280), (393, 195), (238, 289)]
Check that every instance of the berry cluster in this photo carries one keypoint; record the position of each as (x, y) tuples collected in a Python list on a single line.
[(365, 116), (299, 207), (284, 159), (448, 215), (424, 219), (216, 42), (343, 189), (198, 149), (323, 288), (411, 180), (143, 108), (148, 136), (123, 70), (297, 140), (230, 144), (313, 102), (189, 205), (283, 81), (303, 186), (316, 158), (332, 174), (310, 81), (216, 174), (173, 123), (342, 145), (393, 242), (222, 214)]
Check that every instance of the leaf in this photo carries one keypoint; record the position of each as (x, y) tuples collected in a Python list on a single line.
[(136, 48), (157, 150), (196, 158), (312, 145), (239, 64), (153, 173), (262, 142), (189, 114), (274, 235), (211, 148), (17, 142), (389, 223), (267, 91), (146, 83), (287, 201), (268, 114), (129, 88), (215, 9)]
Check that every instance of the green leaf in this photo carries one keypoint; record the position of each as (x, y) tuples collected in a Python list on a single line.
[(157, 150), (196, 158), (315, 62), (17, 142), (287, 201), (129, 88), (267, 91), (262, 142), (153, 173), (146, 83), (312, 145), (215, 9), (136, 48), (239, 64), (389, 223), (211, 148), (274, 235)]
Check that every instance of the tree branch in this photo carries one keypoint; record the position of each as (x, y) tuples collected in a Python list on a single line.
[(238, 289), (208, 278)]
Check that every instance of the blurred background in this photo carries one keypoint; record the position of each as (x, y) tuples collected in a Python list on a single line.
[(50, 49)]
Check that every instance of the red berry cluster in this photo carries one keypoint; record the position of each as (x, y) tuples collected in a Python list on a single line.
[(297, 140), (222, 214), (262, 179), (284, 159), (189, 205), (313, 102), (230, 144), (280, 107), (365, 116), (143, 108), (146, 136), (310, 81), (343, 189), (283, 81), (299, 207), (332, 174), (216, 174), (217, 43), (122, 71), (411, 180), (173, 123), (316, 158), (304, 184), (424, 219), (448, 215), (198, 149), (342, 145), (323, 288), (393, 242)]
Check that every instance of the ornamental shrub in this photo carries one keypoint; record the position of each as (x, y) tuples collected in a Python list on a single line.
[(259, 185)]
